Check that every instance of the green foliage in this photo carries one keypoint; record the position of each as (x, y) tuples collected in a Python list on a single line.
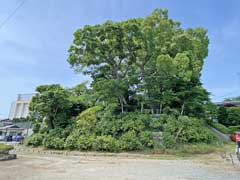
[(233, 116), (221, 128), (17, 120), (234, 129), (192, 149), (138, 66), (229, 116), (85, 142), (52, 104), (71, 141), (129, 141), (36, 127), (56, 138), (157, 123), (106, 143), (186, 130), (146, 139), (143, 63), (87, 120), (52, 142), (222, 115), (5, 147), (34, 140)]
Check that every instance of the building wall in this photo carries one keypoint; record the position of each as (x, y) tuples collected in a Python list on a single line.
[(20, 108)]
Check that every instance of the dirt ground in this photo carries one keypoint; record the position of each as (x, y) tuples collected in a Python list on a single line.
[(53, 167)]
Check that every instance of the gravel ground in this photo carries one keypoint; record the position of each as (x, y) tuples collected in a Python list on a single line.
[(45, 167)]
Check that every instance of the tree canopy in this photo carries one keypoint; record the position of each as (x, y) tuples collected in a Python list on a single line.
[(143, 63), (145, 79)]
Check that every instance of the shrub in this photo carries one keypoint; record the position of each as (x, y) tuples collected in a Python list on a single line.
[(34, 140), (129, 141), (86, 121), (55, 139), (44, 128), (106, 143), (234, 128), (133, 122), (186, 130), (52, 142), (85, 142), (5, 147), (36, 127), (71, 141), (157, 123), (233, 116), (146, 138), (221, 128)]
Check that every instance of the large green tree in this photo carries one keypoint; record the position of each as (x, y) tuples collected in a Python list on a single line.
[(148, 62)]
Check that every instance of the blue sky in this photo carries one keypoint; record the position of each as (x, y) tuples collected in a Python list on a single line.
[(34, 42)]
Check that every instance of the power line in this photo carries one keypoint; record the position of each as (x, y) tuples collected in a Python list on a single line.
[(12, 14), (228, 94)]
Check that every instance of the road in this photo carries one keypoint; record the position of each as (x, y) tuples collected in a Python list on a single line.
[(46, 167)]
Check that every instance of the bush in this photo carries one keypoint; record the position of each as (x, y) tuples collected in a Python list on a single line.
[(36, 127), (85, 142), (221, 128), (86, 121), (233, 116), (129, 141), (5, 147), (157, 123), (234, 129), (52, 142), (34, 140), (106, 143), (146, 138), (186, 130), (71, 141), (44, 128), (55, 139), (229, 116)]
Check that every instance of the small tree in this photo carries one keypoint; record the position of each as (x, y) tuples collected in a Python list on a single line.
[(52, 104)]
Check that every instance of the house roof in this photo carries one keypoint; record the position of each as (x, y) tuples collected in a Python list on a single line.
[(4, 120), (11, 127), (228, 104)]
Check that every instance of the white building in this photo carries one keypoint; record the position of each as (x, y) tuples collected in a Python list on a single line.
[(19, 108)]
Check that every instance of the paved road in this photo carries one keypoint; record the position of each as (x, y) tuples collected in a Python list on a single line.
[(111, 168)]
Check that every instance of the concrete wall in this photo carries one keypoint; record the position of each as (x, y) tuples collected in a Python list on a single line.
[(20, 108)]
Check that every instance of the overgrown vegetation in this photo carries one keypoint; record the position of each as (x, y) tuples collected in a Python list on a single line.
[(145, 78), (5, 147), (221, 128)]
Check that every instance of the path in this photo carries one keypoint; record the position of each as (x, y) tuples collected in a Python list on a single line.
[(42, 167)]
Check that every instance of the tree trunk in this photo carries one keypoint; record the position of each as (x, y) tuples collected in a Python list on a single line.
[(160, 108), (182, 109), (178, 133), (141, 107), (122, 108), (152, 110), (51, 123)]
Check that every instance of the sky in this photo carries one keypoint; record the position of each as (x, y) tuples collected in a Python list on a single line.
[(35, 40)]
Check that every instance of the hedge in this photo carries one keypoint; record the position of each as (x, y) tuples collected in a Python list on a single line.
[(234, 128), (221, 128)]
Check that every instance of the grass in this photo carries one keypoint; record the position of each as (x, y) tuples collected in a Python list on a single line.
[(5, 147), (221, 128), (187, 151)]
